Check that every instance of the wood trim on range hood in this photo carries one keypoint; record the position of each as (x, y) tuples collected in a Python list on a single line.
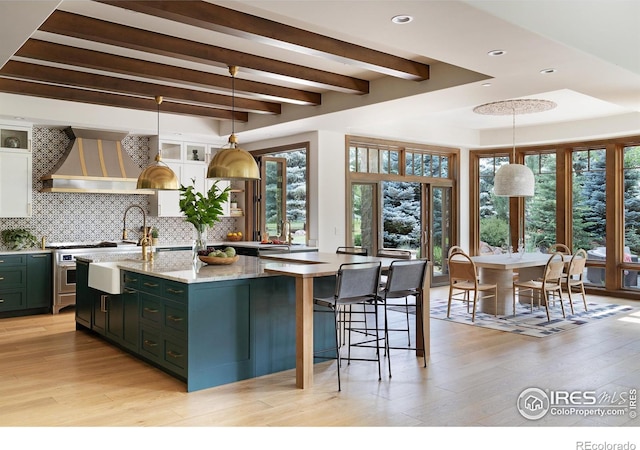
[(94, 162)]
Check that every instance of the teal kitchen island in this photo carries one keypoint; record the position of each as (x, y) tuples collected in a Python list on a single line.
[(207, 325)]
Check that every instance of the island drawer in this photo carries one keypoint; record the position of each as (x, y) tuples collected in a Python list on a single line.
[(150, 309), (151, 285), (166, 352), (151, 344), (131, 280), (175, 355), (12, 277), (12, 300), (175, 291), (175, 317), (12, 260)]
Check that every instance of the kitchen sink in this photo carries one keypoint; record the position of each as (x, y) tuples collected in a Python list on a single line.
[(105, 276)]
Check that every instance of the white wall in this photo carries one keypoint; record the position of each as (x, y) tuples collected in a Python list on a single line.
[(463, 199), (327, 220)]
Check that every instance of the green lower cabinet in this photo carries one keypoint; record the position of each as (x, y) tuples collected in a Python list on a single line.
[(13, 280), (122, 321), (84, 302), (12, 300), (39, 281), (26, 284), (100, 299)]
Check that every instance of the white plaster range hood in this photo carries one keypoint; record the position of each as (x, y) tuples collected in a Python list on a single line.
[(94, 162)]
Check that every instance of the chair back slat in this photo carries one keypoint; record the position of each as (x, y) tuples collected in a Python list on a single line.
[(578, 261), (454, 249), (357, 280), (462, 268), (554, 268), (406, 275), (559, 248)]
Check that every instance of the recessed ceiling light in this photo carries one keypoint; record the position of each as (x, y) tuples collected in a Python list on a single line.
[(496, 52), (401, 19), (486, 84), (545, 71)]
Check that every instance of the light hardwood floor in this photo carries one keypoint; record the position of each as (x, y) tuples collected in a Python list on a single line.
[(53, 375)]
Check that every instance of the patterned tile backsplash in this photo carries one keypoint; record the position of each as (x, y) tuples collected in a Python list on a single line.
[(66, 217)]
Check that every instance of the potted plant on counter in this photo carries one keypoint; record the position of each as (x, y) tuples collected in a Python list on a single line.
[(19, 239), (154, 236), (201, 210)]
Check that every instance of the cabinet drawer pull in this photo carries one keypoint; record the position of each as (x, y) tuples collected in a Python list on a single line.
[(175, 318), (1, 300), (154, 311), (149, 343), (39, 256), (150, 284), (129, 291), (1, 261), (175, 291), (1, 278), (130, 280), (174, 355)]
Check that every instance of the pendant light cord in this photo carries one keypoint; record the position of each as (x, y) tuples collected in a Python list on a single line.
[(514, 135), (158, 101), (233, 103)]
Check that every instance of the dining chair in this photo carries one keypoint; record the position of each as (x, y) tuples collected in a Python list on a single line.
[(574, 276), (453, 249), (560, 248), (356, 284), (463, 280), (396, 254), (352, 251), (551, 283), (405, 278)]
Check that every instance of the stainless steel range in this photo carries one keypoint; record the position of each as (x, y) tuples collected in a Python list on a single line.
[(64, 266)]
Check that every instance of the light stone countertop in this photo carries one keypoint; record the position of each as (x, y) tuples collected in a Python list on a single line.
[(179, 266), (24, 252)]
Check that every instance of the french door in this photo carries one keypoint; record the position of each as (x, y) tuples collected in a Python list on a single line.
[(406, 215), (274, 195)]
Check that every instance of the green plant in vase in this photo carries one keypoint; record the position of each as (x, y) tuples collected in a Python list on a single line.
[(202, 210), (19, 238)]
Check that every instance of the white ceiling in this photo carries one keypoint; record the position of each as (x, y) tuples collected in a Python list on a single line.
[(593, 45)]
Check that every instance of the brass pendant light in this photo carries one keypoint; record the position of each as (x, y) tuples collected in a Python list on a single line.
[(158, 175), (233, 162)]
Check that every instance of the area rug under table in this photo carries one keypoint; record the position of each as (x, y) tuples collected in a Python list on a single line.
[(530, 324)]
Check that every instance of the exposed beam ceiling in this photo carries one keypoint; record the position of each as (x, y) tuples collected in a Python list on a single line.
[(88, 59)]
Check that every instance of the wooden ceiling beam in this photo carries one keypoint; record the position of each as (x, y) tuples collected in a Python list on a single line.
[(90, 59), (74, 78), (228, 21), (50, 91), (82, 27)]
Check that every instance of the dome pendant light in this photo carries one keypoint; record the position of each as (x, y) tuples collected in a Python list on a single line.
[(233, 162), (158, 175), (514, 180)]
